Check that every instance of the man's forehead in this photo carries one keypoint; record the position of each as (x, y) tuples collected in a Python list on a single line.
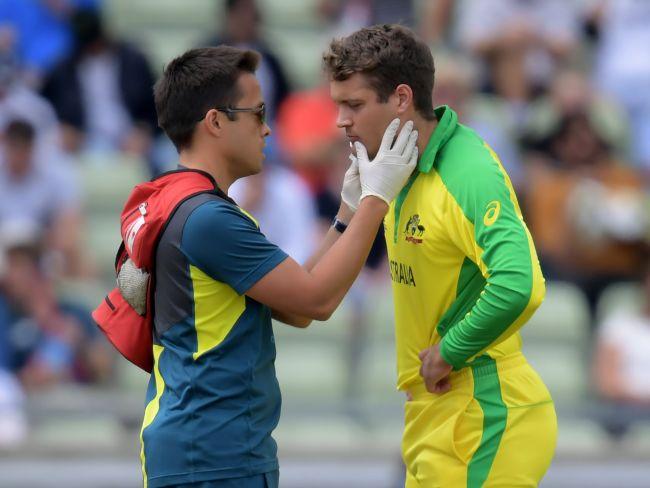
[(355, 87), (249, 86)]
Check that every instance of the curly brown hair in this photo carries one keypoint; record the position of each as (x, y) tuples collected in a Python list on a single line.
[(388, 55)]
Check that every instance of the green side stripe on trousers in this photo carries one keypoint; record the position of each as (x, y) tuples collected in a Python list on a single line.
[(487, 391)]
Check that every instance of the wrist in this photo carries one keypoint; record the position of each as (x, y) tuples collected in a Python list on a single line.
[(374, 203), (344, 214), (339, 226), (444, 356)]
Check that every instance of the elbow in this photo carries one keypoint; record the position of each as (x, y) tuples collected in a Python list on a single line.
[(531, 299), (304, 315), (319, 307), (302, 322), (314, 303), (537, 295), (323, 314), (324, 311)]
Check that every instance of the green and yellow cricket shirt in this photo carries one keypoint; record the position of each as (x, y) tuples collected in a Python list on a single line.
[(462, 262)]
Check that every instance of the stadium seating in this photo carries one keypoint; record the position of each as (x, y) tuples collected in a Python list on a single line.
[(107, 183), (619, 297), (556, 342)]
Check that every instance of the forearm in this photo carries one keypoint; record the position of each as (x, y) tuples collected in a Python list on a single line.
[(336, 271), (498, 313), (332, 235), (345, 216), (296, 293)]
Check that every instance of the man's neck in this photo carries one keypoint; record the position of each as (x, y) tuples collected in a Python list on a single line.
[(425, 129), (196, 160)]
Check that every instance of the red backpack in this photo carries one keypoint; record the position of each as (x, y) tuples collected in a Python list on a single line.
[(125, 316)]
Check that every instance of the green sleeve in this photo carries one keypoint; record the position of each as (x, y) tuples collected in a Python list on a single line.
[(486, 224)]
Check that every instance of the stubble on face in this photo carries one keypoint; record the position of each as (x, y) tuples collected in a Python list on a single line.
[(250, 140), (363, 117)]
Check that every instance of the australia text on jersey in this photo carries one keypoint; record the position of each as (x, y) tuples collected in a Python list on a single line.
[(402, 273)]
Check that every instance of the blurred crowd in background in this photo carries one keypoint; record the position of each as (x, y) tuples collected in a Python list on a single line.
[(560, 90)]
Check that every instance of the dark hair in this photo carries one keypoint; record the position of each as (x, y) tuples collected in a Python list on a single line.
[(87, 28), (29, 250), (20, 131), (195, 82), (234, 4), (388, 55)]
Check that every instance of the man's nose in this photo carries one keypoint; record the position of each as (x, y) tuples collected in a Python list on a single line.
[(343, 120)]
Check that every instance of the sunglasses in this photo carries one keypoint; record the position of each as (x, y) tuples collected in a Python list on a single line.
[(260, 112)]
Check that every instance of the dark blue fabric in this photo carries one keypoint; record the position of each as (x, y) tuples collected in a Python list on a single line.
[(5, 322), (217, 412), (43, 35), (266, 480), (22, 338), (227, 245)]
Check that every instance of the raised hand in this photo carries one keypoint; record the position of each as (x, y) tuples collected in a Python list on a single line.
[(386, 174)]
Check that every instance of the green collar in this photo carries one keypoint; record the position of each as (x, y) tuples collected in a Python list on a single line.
[(447, 123)]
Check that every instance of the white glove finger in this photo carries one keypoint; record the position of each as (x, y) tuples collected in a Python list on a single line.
[(412, 143), (414, 157), (403, 138), (389, 135), (354, 163), (355, 167), (362, 154)]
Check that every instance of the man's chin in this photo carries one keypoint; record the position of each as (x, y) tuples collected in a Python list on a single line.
[(257, 169), (371, 154)]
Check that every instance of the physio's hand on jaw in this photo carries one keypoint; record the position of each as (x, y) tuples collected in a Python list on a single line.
[(351, 191), (384, 176)]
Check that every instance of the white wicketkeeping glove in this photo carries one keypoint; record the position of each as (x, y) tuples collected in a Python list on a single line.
[(385, 175), (351, 190)]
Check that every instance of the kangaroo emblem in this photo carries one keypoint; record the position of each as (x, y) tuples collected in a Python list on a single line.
[(414, 228)]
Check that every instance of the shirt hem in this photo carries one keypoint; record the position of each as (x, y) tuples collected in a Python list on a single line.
[(164, 481)]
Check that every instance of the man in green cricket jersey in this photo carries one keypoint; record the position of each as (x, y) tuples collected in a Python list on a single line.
[(465, 276)]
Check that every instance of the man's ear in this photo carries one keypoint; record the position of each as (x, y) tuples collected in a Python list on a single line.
[(404, 96), (213, 122)]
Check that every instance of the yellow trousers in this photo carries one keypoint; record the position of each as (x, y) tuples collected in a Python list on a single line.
[(496, 427)]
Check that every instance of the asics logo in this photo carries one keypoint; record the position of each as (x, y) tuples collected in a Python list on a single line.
[(492, 213)]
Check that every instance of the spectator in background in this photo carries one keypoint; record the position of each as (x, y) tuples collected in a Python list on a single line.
[(103, 94), (521, 43), (622, 65), (584, 205), (43, 193), (42, 31), (622, 362), (282, 204), (571, 92), (346, 16), (456, 83), (240, 27), (13, 421), (437, 20), (308, 135), (19, 101), (45, 342)]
